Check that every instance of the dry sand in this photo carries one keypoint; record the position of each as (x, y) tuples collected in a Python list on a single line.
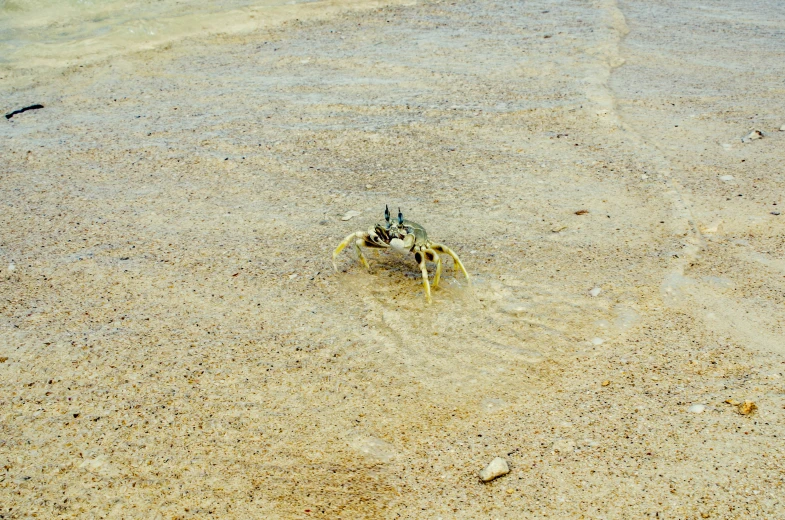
[(175, 343)]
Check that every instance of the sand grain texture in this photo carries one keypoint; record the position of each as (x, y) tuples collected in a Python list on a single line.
[(178, 345)]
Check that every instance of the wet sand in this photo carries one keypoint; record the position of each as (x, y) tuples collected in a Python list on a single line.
[(177, 345)]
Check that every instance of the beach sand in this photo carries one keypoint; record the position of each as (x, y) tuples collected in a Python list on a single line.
[(176, 344)]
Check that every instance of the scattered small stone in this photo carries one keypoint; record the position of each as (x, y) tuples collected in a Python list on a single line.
[(732, 402), (350, 214), (581, 211), (3, 359), (752, 136), (597, 341), (747, 407), (595, 292), (496, 468), (782, 128), (606, 383), (11, 267), (697, 408), (775, 213), (726, 178)]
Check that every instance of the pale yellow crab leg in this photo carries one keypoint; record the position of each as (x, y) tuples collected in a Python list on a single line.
[(431, 256), (358, 238), (420, 258), (458, 265)]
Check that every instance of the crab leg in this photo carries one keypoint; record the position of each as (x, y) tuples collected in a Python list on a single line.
[(431, 256), (418, 256), (358, 238), (458, 265)]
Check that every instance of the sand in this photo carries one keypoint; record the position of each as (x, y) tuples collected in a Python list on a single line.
[(175, 343)]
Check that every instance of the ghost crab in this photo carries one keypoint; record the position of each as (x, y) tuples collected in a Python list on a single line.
[(403, 236)]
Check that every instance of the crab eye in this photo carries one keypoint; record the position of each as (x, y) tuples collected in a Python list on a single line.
[(387, 213), (400, 217)]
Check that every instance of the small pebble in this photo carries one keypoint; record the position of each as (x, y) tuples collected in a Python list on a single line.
[(747, 407), (782, 128), (496, 468), (697, 408), (606, 383), (11, 267), (595, 292), (597, 341), (726, 178), (752, 136)]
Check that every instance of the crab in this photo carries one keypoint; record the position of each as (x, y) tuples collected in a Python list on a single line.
[(403, 236)]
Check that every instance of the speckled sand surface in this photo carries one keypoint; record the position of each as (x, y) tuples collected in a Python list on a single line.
[(175, 343)]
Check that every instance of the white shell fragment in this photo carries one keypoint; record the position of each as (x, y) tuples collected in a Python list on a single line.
[(350, 214), (726, 178), (595, 292), (697, 408), (755, 134), (496, 468)]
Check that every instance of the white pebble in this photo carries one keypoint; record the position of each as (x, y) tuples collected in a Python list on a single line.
[(496, 468), (752, 136), (782, 128), (11, 267), (597, 341), (726, 178), (697, 408), (595, 292)]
